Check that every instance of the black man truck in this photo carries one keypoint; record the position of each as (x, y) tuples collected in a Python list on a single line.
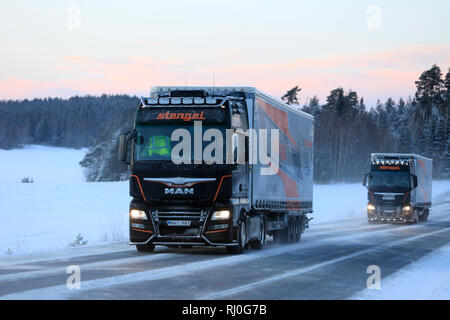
[(217, 166), (399, 188)]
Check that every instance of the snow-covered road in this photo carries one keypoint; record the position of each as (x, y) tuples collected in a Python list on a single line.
[(330, 263)]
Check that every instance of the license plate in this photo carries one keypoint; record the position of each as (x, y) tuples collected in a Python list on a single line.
[(178, 223)]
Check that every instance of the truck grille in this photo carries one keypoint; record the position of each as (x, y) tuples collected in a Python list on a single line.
[(387, 209), (196, 218), (199, 216)]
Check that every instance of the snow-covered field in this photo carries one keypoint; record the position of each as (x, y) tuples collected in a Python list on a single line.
[(49, 213)]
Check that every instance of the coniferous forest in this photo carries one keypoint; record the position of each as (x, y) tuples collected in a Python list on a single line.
[(346, 129)]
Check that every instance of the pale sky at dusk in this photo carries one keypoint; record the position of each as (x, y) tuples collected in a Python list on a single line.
[(128, 46)]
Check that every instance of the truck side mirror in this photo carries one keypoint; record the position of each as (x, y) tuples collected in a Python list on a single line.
[(123, 144), (365, 180), (414, 181)]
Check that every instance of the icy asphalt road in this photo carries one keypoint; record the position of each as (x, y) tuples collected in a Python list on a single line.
[(329, 263)]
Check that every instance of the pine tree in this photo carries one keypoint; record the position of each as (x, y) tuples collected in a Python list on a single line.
[(429, 89), (290, 96)]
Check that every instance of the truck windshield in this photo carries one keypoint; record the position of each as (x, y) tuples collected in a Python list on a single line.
[(153, 142), (389, 180)]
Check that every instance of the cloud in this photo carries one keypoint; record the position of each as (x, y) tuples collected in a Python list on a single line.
[(374, 74)]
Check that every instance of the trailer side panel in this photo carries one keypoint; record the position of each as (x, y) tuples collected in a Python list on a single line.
[(293, 182)]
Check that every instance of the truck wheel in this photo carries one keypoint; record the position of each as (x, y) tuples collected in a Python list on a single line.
[(415, 218), (281, 236), (258, 244), (149, 247), (424, 216), (242, 238), (294, 229), (298, 229)]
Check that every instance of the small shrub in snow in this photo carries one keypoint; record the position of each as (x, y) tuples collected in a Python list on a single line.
[(79, 241), (9, 252), (27, 180)]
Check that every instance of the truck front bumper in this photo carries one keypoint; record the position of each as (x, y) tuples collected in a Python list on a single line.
[(158, 228), (382, 216)]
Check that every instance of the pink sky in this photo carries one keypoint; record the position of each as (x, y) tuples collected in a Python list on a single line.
[(119, 48), (372, 74)]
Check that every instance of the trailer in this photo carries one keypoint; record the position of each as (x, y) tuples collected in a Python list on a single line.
[(218, 166), (399, 188)]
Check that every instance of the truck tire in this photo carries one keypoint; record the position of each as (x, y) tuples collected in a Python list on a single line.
[(415, 217), (281, 236), (149, 247), (294, 230), (242, 238), (299, 229), (424, 216), (259, 243)]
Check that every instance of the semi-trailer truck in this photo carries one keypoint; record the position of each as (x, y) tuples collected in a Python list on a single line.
[(217, 166), (399, 188)]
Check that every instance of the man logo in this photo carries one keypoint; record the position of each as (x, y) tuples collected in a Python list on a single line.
[(174, 191)]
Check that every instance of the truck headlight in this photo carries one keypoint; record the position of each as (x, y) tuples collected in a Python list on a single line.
[(370, 207), (406, 208), (138, 214), (221, 215)]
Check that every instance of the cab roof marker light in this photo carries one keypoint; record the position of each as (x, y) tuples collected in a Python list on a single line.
[(199, 100), (152, 101), (188, 100), (164, 100), (175, 100), (211, 100)]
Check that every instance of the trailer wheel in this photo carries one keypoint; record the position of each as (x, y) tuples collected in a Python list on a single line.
[(298, 229), (259, 243), (281, 236), (242, 238), (425, 214), (149, 247)]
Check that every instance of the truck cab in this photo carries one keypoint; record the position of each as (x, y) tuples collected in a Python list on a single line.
[(399, 188)]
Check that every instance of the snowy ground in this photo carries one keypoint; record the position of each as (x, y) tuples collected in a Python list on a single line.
[(427, 278), (49, 213)]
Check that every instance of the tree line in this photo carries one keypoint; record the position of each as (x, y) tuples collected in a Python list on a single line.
[(346, 131)]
